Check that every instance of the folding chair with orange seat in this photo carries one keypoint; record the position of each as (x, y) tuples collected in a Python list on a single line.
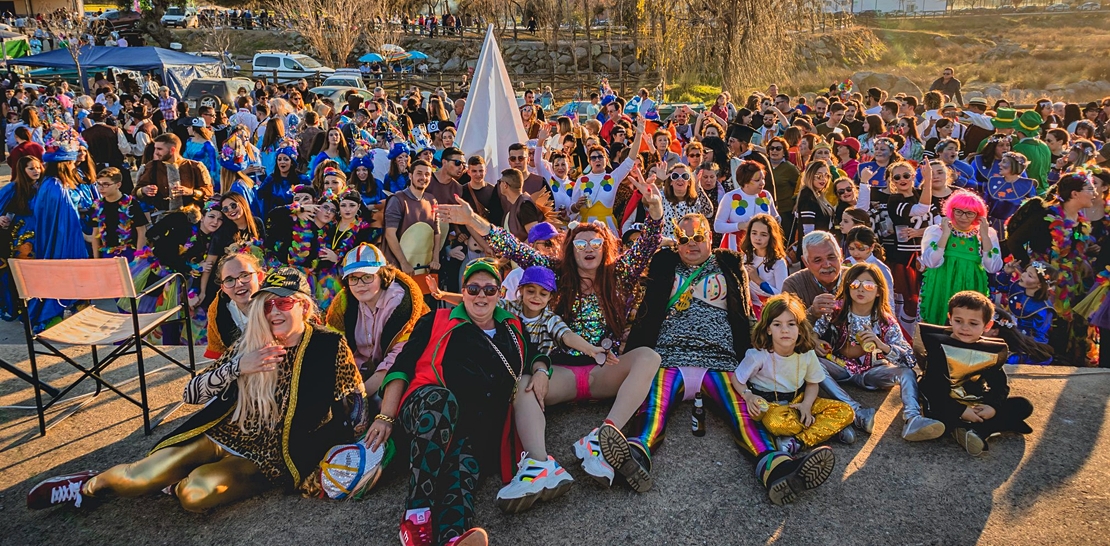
[(97, 279)]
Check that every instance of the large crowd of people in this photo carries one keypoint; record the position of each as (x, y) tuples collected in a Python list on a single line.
[(361, 285)]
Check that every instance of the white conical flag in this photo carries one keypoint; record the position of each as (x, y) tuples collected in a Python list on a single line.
[(491, 119)]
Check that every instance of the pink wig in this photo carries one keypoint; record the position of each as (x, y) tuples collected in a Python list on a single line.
[(965, 200)]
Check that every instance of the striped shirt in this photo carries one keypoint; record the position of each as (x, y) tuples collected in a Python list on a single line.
[(545, 331)]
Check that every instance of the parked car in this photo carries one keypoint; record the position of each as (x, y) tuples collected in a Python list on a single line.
[(1058, 7), (1006, 7), (284, 67), (215, 91), (115, 19), (229, 63), (345, 77), (338, 93), (1028, 9), (176, 16), (1090, 6)]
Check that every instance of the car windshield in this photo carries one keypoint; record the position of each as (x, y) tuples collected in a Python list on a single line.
[(307, 62), (197, 88), (175, 11)]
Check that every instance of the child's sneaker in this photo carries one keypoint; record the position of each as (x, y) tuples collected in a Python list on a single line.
[(534, 480), (589, 451), (971, 441)]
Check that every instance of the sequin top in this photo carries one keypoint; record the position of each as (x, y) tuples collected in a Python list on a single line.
[(839, 336), (588, 320)]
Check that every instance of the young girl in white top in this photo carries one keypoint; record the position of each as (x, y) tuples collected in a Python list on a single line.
[(765, 259), (863, 245), (739, 206), (781, 373)]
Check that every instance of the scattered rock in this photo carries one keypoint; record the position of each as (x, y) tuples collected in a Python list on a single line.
[(865, 80), (608, 61), (452, 64), (904, 85)]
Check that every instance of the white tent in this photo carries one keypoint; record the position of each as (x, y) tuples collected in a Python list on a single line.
[(490, 120)]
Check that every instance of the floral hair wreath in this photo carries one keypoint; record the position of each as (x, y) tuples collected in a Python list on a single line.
[(1002, 322), (1044, 271)]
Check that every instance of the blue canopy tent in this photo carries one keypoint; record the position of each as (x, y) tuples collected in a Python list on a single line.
[(371, 58), (178, 69)]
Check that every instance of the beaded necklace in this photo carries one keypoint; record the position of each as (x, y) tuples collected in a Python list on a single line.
[(123, 228)]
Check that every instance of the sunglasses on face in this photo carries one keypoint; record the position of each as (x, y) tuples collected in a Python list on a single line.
[(697, 238), (581, 244), (516, 158), (360, 279), (244, 277), (858, 248), (691, 156), (597, 157), (283, 304), (775, 149), (868, 286), (680, 176), (901, 177), (488, 290), (455, 162), (230, 207), (844, 191)]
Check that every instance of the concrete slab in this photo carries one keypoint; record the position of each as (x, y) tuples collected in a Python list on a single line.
[(1047, 487)]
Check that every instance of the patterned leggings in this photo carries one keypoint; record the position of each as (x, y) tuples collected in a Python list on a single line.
[(444, 469), (667, 388)]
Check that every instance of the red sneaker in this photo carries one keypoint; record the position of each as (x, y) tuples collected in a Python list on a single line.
[(416, 528), (474, 537), (58, 490)]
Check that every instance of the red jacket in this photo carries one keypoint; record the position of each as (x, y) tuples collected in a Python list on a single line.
[(29, 147)]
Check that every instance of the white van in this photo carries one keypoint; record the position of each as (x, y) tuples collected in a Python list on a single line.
[(276, 66)]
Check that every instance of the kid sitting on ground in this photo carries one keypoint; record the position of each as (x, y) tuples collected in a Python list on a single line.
[(964, 384), (781, 374)]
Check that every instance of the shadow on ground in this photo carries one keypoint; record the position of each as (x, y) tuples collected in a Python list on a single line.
[(1048, 486)]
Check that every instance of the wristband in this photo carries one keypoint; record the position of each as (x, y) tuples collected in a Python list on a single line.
[(546, 371), (384, 417)]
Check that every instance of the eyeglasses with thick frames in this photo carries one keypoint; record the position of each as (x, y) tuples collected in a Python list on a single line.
[(969, 214), (595, 244), (244, 277), (682, 176), (354, 280), (901, 176), (488, 290)]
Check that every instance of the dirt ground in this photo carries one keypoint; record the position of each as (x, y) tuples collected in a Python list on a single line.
[(1048, 487)]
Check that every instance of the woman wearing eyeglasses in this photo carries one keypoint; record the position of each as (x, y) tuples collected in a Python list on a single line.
[(595, 192), (376, 311), (238, 276), (905, 223), (1057, 233), (813, 210), (959, 254), (739, 206), (595, 298), (681, 195), (240, 227), (274, 404), (450, 390)]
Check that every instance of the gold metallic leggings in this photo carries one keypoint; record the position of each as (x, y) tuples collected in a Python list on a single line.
[(202, 473), (830, 417)]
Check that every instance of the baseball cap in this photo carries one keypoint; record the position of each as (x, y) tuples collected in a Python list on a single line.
[(364, 258), (284, 281), (542, 231), (539, 276), (481, 265)]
